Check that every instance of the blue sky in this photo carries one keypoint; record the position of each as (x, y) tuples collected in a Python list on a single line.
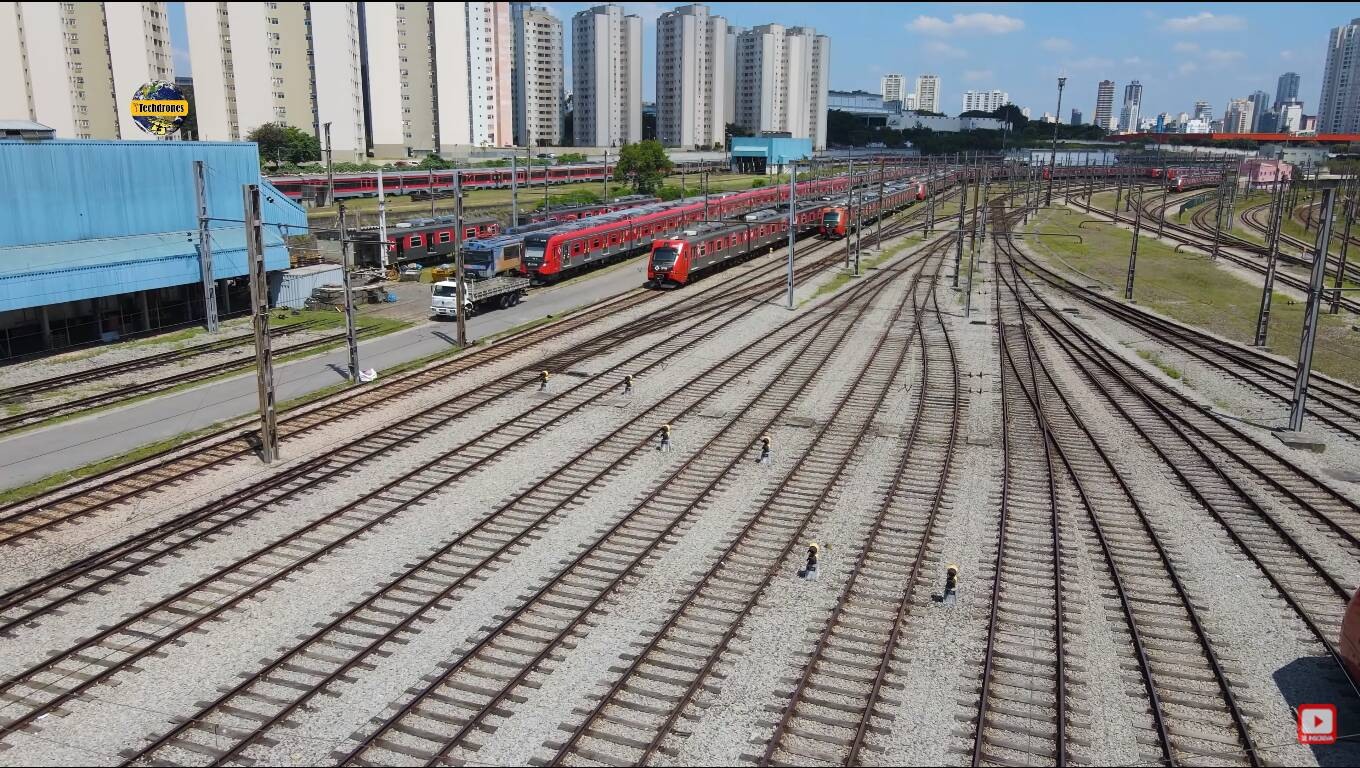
[(1180, 52)]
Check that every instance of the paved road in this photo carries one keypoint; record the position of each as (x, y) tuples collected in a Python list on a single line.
[(72, 444)]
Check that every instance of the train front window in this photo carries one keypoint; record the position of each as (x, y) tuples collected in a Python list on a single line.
[(664, 258), (477, 257), (533, 254), (831, 219)]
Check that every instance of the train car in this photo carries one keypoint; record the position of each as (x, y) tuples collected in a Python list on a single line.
[(422, 240), (677, 260), (491, 257), (835, 221), (586, 210), (1349, 647)]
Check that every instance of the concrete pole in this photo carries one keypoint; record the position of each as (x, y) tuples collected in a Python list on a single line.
[(1272, 253), (1053, 158), (1310, 317), (330, 173), (793, 226), (429, 184), (514, 189), (1348, 209), (382, 228), (958, 233), (1133, 250), (205, 262), (351, 336), (461, 298), (849, 203), (259, 310), (1218, 218), (878, 231), (1166, 189)]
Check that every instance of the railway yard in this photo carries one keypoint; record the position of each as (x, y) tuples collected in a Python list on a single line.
[(967, 506)]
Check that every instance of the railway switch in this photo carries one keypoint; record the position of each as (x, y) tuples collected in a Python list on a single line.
[(809, 571), (951, 584), (665, 435), (543, 381), (765, 450)]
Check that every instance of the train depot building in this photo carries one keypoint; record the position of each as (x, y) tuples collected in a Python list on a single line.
[(768, 154), (99, 239)]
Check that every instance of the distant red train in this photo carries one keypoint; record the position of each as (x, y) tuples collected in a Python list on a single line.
[(837, 219)]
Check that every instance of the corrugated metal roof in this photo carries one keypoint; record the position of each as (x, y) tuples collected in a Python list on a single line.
[(34, 275), (23, 125)]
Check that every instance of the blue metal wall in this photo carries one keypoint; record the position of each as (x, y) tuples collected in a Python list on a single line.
[(84, 219), (775, 151)]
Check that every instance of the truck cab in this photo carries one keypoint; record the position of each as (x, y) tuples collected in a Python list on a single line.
[(444, 298)]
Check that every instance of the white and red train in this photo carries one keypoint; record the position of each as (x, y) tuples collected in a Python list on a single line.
[(1177, 179), (365, 184), (839, 217)]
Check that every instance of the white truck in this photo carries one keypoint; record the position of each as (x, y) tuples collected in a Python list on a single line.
[(496, 292)]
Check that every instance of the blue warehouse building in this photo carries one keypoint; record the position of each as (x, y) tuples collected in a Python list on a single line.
[(99, 239), (767, 154)]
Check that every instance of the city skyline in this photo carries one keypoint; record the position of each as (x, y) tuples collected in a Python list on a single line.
[(1179, 53)]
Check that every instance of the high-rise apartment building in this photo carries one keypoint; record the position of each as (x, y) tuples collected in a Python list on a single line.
[(539, 78), (730, 87), (928, 93), (691, 77), (1076, 117), (75, 66), (294, 63), (1339, 105), (984, 101), (1203, 111), (893, 87), (1237, 118), (1105, 105), (1286, 89), (1260, 103), (1133, 100), (606, 77), (1291, 117), (782, 78)]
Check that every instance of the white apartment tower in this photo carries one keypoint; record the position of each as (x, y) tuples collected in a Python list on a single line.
[(1339, 106), (75, 66), (984, 101), (606, 77), (691, 77), (538, 78), (730, 53), (893, 87), (928, 93), (293, 63), (1105, 105), (1133, 101), (1238, 116), (782, 76)]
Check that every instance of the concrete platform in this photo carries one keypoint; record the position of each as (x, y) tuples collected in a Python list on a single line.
[(1302, 441)]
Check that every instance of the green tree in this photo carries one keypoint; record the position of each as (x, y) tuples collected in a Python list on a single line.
[(433, 162), (642, 165), (281, 143), (570, 157)]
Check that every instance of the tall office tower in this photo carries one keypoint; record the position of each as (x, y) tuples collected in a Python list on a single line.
[(539, 78), (928, 93), (893, 87), (1076, 117), (1339, 106), (782, 78), (1105, 105), (1133, 100), (75, 66), (1286, 89), (1203, 112), (1237, 118), (292, 63), (691, 77), (606, 77), (1260, 103)]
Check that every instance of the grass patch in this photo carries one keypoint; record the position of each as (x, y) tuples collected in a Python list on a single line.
[(1163, 366), (1192, 289)]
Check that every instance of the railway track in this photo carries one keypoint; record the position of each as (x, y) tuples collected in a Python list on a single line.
[(29, 389), (1298, 531), (1258, 218), (148, 630), (77, 499), (507, 529)]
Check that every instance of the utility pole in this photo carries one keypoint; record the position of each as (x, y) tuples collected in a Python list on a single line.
[(1166, 188), (1348, 210), (1133, 249), (1310, 317), (330, 173), (958, 233), (461, 312), (1218, 219), (878, 231), (793, 227), (849, 204), (1053, 161), (604, 182), (259, 310), (382, 228), (351, 337), (931, 188), (429, 181), (205, 263), (859, 227), (514, 189), (1272, 252)]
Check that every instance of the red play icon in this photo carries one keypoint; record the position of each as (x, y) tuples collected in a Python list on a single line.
[(1317, 724)]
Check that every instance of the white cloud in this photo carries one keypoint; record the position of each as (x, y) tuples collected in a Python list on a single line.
[(1287, 55), (1204, 22), (977, 23), (1056, 44), (944, 49), (1187, 67), (1223, 57), (1090, 62), (1132, 60), (974, 75), (1184, 47)]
